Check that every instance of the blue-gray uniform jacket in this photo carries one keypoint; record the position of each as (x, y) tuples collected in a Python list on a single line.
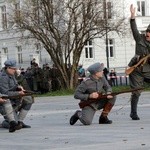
[(8, 84), (142, 46), (90, 85)]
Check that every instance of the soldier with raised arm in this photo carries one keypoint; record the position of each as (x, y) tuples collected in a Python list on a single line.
[(142, 72)]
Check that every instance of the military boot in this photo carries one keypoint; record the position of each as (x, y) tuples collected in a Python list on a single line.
[(75, 117), (134, 102), (23, 125), (13, 126), (103, 119), (5, 124)]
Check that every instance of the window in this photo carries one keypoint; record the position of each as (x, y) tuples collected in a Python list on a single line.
[(107, 7), (110, 48), (17, 12), (88, 49), (141, 8), (4, 17), (5, 51), (20, 59)]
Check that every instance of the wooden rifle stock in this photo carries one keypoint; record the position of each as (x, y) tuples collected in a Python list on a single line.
[(142, 61), (82, 104), (27, 93)]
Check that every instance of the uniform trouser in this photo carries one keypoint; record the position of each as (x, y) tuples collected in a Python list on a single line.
[(87, 113), (21, 108), (136, 79), (18, 112), (7, 111), (24, 107)]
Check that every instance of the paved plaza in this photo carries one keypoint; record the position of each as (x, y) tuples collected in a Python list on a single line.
[(49, 118)]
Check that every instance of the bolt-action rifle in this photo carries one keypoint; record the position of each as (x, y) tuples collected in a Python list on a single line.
[(27, 93), (141, 62), (101, 96)]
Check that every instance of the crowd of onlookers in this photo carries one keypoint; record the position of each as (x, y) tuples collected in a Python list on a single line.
[(40, 79)]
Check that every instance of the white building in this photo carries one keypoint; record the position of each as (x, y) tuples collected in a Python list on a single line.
[(120, 48)]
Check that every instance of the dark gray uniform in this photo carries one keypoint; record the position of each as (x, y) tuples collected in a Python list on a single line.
[(8, 86), (83, 91), (141, 73)]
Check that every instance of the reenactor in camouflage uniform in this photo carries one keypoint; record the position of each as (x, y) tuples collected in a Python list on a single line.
[(38, 77), (29, 78), (46, 82), (55, 76)]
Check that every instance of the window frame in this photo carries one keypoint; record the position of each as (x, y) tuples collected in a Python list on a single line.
[(110, 47), (19, 53), (4, 17), (141, 7), (89, 53)]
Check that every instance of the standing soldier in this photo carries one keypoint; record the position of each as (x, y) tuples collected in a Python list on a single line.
[(38, 77), (142, 72), (29, 77), (46, 82), (55, 76)]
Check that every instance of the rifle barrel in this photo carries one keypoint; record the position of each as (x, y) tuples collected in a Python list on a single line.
[(15, 96), (82, 104)]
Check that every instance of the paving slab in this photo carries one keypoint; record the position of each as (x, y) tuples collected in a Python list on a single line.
[(49, 118)]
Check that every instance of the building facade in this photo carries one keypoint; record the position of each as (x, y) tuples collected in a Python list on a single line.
[(120, 48)]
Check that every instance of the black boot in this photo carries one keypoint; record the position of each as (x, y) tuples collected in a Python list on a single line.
[(134, 116), (5, 124), (74, 118), (104, 120), (20, 123), (134, 102), (13, 126)]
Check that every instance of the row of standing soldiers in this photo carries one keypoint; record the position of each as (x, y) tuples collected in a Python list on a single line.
[(41, 79)]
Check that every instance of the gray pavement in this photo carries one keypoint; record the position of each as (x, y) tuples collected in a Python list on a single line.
[(49, 118)]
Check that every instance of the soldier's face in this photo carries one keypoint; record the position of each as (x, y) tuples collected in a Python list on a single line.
[(11, 71), (99, 74), (148, 35)]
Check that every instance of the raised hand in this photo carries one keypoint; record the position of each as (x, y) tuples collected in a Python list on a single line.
[(132, 10)]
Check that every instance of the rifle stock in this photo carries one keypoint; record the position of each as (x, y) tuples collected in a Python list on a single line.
[(82, 104), (129, 70), (142, 61), (27, 93)]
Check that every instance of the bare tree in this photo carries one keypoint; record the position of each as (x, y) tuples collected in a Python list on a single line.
[(63, 26)]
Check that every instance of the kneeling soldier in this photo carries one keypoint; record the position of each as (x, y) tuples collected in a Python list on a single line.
[(90, 89), (18, 107)]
